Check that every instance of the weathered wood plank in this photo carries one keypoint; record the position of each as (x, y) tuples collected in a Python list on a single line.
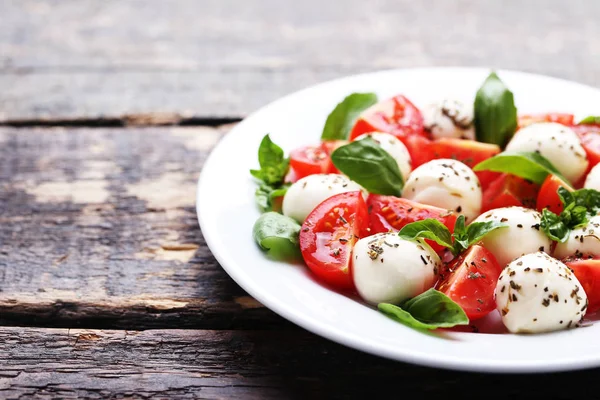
[(98, 228), (95, 59), (236, 364)]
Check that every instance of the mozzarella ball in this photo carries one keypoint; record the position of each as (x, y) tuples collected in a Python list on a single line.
[(307, 193), (395, 148), (445, 183), (523, 234), (592, 181), (582, 241), (387, 269), (537, 293), (449, 119), (558, 143)]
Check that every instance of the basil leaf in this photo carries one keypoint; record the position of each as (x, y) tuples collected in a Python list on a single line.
[(266, 195), (554, 228), (461, 238), (588, 198), (273, 165), (278, 235), (495, 112), (341, 120), (367, 164), (574, 216), (530, 166), (429, 310), (591, 120), (477, 230), (466, 237), (427, 229)]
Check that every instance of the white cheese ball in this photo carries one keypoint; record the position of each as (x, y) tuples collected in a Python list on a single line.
[(445, 183), (592, 181), (523, 234), (558, 143), (583, 241), (387, 269), (307, 193), (395, 148), (537, 293), (449, 119)]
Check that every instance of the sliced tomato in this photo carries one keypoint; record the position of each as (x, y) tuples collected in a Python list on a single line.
[(561, 118), (420, 149), (396, 115), (509, 190), (291, 176), (471, 281), (548, 195), (590, 140), (392, 213), (309, 160), (588, 274), (328, 147), (328, 235), (469, 152)]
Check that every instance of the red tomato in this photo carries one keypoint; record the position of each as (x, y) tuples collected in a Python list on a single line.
[(309, 160), (509, 190), (471, 281), (548, 195), (396, 115), (590, 140), (392, 213), (420, 149), (328, 147), (470, 152), (561, 118), (328, 235), (588, 274)]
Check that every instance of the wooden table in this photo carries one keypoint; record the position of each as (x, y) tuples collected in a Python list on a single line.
[(107, 112)]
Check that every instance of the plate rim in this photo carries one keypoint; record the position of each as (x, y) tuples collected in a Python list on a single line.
[(313, 326)]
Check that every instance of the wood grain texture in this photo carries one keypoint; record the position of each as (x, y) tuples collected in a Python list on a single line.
[(94, 59), (98, 228), (237, 364)]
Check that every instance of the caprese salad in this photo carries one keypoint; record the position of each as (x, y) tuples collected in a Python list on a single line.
[(441, 215)]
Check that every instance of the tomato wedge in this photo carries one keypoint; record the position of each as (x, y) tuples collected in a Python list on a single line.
[(328, 235), (396, 115), (548, 195), (392, 213), (309, 160), (420, 149), (509, 190), (590, 140), (588, 274), (469, 152), (471, 281), (561, 118), (329, 146)]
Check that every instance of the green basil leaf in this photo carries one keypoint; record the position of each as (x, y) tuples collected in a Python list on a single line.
[(367, 164), (495, 112), (429, 310), (574, 216), (278, 235), (554, 228), (588, 198), (530, 166), (429, 228), (273, 165), (460, 235), (565, 196), (266, 195), (341, 120), (591, 120), (478, 230)]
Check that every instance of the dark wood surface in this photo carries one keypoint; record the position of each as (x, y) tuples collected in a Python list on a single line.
[(90, 59), (109, 111)]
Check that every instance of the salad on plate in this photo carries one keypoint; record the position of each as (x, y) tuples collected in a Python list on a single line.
[(443, 214)]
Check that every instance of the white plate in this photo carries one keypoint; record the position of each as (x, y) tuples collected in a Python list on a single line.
[(226, 211)]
